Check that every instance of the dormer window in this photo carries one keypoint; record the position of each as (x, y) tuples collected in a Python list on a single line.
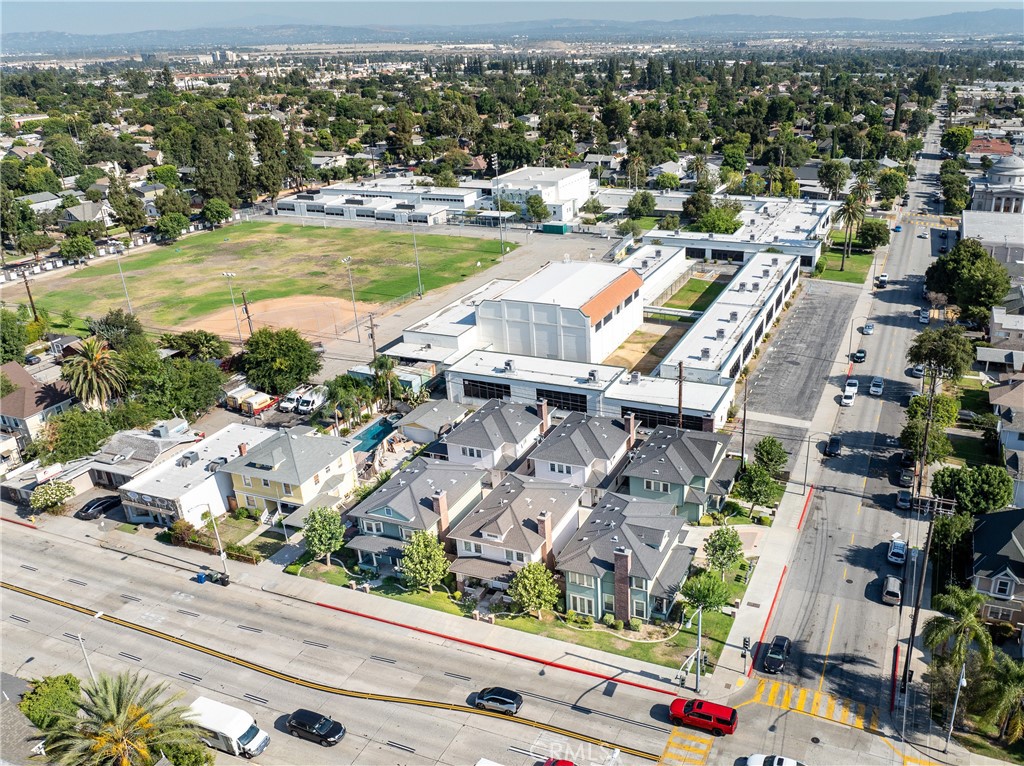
[(1002, 588)]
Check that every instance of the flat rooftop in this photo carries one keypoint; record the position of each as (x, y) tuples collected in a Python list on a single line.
[(993, 228), (664, 392), (533, 176), (169, 480), (393, 186), (459, 316), (570, 285)]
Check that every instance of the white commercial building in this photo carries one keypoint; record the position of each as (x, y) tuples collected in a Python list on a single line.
[(572, 311), (1000, 234), (355, 207), (663, 268), (726, 335), (191, 485), (596, 389), (563, 190)]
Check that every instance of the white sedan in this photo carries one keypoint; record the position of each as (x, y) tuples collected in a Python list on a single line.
[(848, 399), (852, 386), (877, 386), (771, 760)]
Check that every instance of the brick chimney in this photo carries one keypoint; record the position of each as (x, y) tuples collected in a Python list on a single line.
[(630, 430), (623, 564), (243, 448), (440, 502), (544, 415), (544, 529)]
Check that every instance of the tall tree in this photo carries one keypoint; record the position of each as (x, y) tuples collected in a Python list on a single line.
[(423, 561), (723, 549), (386, 380), (533, 588), (771, 455), (850, 216), (946, 351), (13, 337), (1006, 694), (324, 532), (120, 722), (296, 162), (833, 174), (127, 207), (276, 361), (954, 632), (703, 591), (94, 374)]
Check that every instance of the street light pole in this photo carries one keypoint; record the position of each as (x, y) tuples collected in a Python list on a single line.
[(234, 306), (497, 188), (216, 533), (807, 455), (419, 277), (700, 653), (117, 257), (853, 327), (352, 286), (956, 701), (85, 654)]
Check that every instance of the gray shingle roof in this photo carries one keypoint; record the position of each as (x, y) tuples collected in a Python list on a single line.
[(291, 456), (678, 455), (511, 512), (647, 528), (581, 439), (998, 538), (433, 415), (494, 425), (409, 492)]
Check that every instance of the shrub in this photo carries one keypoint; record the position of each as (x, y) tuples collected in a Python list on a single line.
[(1002, 632), (457, 595), (586, 621), (634, 624), (820, 266), (618, 625), (608, 619), (658, 622), (182, 532), (732, 508)]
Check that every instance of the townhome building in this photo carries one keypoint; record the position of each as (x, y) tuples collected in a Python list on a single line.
[(25, 410), (998, 565), (425, 496), (497, 435), (688, 469), (627, 559), (522, 520)]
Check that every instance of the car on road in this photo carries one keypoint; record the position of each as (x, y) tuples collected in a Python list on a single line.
[(907, 459), (924, 317), (923, 235), (897, 551), (917, 371), (852, 386), (883, 280), (33, 359), (892, 590), (907, 478), (897, 228), (316, 727), (777, 654), (834, 448), (903, 499), (868, 329), (100, 506), (877, 386), (499, 699), (710, 716), (860, 355), (558, 762), (849, 397), (771, 760)]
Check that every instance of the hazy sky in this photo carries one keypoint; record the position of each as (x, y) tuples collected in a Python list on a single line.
[(98, 17)]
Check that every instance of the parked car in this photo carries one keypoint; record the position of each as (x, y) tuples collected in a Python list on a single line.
[(907, 477), (923, 235), (316, 727), (892, 590), (777, 654), (834, 448), (100, 506), (860, 355), (924, 317), (558, 762), (907, 459), (33, 359), (710, 716), (771, 760), (897, 551), (868, 329), (883, 279), (917, 371), (852, 386), (967, 416), (903, 498), (877, 386), (499, 699), (897, 228)]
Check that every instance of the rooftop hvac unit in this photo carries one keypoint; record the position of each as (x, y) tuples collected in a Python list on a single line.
[(775, 260), (657, 253), (644, 263), (743, 286), (187, 459), (814, 207), (766, 272), (161, 431), (593, 377), (753, 221), (705, 353), (734, 316), (510, 365), (711, 235), (720, 333), (755, 286), (752, 237), (634, 377), (677, 231)]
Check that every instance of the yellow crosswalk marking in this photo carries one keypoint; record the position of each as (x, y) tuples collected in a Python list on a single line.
[(760, 690), (830, 707), (685, 748), (814, 702), (801, 698), (858, 718), (873, 726), (772, 693), (787, 695)]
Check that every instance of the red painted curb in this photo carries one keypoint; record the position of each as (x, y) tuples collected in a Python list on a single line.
[(508, 652), (764, 630), (19, 522), (807, 504)]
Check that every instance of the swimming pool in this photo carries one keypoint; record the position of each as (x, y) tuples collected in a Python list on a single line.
[(373, 435)]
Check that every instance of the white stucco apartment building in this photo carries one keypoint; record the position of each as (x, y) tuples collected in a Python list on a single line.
[(562, 189)]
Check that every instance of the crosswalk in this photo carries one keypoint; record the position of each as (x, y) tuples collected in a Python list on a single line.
[(785, 696), (684, 747)]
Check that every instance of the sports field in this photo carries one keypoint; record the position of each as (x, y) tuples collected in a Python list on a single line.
[(177, 285)]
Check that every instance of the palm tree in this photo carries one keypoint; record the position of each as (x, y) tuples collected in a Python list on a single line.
[(863, 189), (961, 625), (383, 367), (773, 175), (1005, 689), (699, 167), (120, 721), (94, 373), (850, 216)]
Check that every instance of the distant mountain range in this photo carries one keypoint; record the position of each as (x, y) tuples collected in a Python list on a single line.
[(960, 25)]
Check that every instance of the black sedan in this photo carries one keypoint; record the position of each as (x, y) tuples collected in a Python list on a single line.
[(98, 507), (860, 355), (777, 654), (307, 724)]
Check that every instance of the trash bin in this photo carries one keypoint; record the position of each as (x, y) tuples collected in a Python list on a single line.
[(201, 577), (225, 580), (213, 577)]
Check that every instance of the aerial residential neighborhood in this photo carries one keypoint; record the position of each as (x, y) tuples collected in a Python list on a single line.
[(552, 384)]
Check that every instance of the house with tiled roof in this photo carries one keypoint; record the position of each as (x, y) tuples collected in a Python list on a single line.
[(997, 567), (425, 496), (497, 435), (688, 469), (521, 521), (26, 409), (627, 559)]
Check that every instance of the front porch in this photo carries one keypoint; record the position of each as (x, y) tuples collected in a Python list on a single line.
[(379, 555)]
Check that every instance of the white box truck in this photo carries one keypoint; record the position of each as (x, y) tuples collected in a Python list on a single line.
[(312, 400), (291, 401), (228, 728)]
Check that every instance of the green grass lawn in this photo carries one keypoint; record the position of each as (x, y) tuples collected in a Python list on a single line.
[(648, 222), (970, 450), (173, 284), (990, 748), (332, 575), (268, 544), (232, 530), (437, 600), (858, 266), (696, 295), (973, 396)]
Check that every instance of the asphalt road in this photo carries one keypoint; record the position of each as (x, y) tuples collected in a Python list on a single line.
[(831, 605)]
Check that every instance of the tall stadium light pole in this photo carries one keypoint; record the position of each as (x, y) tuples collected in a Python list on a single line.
[(419, 277), (352, 286), (117, 257), (497, 188), (238, 325)]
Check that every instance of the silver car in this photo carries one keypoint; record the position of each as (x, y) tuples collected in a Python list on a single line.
[(869, 329), (892, 590), (877, 386)]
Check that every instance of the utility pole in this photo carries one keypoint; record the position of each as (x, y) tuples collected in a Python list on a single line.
[(248, 314), (497, 188), (679, 403), (373, 337), (31, 302), (743, 437)]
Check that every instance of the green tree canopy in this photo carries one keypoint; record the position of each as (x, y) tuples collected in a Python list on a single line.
[(954, 632), (977, 490), (216, 211), (197, 344), (770, 455), (13, 337), (722, 218), (73, 434), (944, 412), (723, 549), (956, 139), (119, 328), (833, 175), (536, 209), (423, 561), (51, 497), (640, 205), (95, 373), (946, 349), (533, 588), (912, 438), (756, 486), (276, 361), (74, 248), (705, 591), (324, 532), (891, 183), (49, 698), (873, 233), (171, 225)]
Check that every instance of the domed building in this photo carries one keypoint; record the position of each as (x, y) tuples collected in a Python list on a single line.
[(1002, 188)]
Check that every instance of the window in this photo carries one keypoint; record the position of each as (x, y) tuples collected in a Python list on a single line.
[(609, 602), (563, 400), (516, 556), (250, 501), (559, 468), (586, 581), (316, 479), (327, 469), (286, 488), (1003, 587), (653, 418), (655, 486), (373, 527), (640, 609), (638, 582), (407, 533), (266, 483), (472, 452), (581, 605), (482, 389), (1000, 613), (246, 481)]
